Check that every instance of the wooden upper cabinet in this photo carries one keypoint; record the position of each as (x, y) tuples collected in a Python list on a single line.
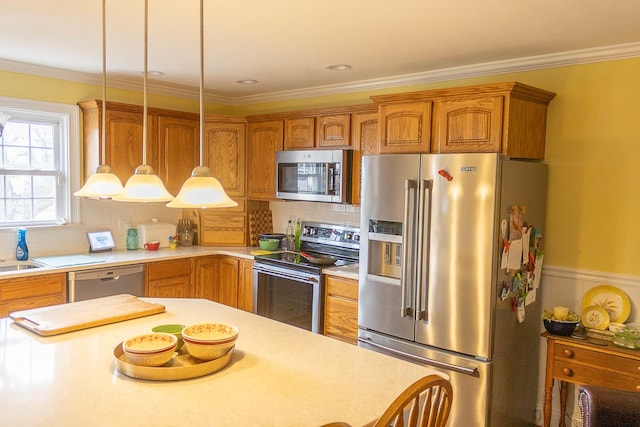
[(508, 118), (124, 153), (224, 153), (299, 133), (405, 127), (123, 149), (468, 125), (364, 133), (264, 139), (172, 141), (178, 151), (333, 131)]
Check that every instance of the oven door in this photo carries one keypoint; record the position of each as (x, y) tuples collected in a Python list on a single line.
[(289, 296)]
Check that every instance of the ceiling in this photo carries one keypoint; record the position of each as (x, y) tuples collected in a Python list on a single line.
[(286, 44)]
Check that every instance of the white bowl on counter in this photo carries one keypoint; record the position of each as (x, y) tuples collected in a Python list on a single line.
[(208, 341), (154, 349)]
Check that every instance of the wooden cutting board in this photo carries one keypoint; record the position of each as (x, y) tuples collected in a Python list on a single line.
[(61, 318), (259, 222)]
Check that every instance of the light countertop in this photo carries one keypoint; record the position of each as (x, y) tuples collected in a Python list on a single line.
[(279, 376), (125, 257)]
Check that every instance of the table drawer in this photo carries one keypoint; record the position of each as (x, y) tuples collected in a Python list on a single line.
[(581, 374), (596, 359)]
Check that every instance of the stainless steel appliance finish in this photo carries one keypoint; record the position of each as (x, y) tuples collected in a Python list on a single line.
[(289, 288), (429, 276), (314, 175), (102, 282), (288, 295)]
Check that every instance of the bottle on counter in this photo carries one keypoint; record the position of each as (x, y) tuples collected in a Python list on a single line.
[(132, 239), (22, 251), (297, 235), (289, 241)]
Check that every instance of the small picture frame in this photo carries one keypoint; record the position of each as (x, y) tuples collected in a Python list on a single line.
[(100, 241)]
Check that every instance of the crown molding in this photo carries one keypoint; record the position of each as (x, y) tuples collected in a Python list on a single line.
[(583, 56)]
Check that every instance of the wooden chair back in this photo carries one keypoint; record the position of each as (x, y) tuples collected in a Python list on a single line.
[(425, 403)]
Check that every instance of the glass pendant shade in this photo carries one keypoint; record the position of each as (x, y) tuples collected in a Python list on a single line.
[(103, 184), (202, 191), (144, 186)]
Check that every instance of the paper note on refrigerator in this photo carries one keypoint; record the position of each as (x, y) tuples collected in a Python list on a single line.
[(514, 258)]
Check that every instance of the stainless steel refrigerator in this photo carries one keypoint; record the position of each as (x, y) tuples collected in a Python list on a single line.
[(431, 282)]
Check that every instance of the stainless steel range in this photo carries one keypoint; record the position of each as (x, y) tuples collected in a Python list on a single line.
[(289, 288)]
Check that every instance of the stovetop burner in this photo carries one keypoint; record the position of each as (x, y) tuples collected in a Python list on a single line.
[(338, 241)]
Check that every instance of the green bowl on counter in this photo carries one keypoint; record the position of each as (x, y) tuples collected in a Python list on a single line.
[(269, 244)]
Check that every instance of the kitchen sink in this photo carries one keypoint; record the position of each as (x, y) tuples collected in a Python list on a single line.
[(18, 265)]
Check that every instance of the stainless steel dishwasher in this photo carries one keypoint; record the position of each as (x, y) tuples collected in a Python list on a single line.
[(103, 282)]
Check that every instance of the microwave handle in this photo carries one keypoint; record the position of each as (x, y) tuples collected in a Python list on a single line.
[(331, 183)]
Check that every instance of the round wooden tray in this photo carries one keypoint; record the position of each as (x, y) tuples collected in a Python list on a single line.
[(181, 366)]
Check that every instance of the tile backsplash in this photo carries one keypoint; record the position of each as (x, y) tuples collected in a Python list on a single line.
[(117, 217), (332, 213), (96, 215)]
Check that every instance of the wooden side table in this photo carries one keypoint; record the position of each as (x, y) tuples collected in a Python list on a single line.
[(590, 361)]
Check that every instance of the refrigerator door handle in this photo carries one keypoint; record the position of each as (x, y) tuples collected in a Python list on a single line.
[(422, 284), (406, 307), (421, 360)]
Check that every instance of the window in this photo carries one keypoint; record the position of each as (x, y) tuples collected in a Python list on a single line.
[(38, 163)]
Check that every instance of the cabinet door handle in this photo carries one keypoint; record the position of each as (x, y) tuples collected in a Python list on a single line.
[(568, 353), (567, 371)]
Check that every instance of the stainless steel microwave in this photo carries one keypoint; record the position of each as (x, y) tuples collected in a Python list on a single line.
[(314, 175)]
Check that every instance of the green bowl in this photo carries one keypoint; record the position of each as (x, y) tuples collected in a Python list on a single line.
[(269, 244), (172, 329)]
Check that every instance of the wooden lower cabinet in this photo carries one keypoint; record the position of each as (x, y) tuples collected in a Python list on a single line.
[(341, 309), (580, 362), (225, 279), (169, 279), (245, 285), (28, 292)]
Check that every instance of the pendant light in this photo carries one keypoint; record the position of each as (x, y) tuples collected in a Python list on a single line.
[(202, 190), (144, 185), (103, 184)]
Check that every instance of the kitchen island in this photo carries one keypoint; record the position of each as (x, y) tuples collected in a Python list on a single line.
[(279, 375)]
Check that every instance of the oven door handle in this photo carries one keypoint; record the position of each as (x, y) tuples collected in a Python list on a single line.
[(298, 278)]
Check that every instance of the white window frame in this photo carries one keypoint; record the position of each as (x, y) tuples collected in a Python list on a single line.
[(68, 118)]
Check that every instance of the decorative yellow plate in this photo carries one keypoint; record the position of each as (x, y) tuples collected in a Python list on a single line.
[(612, 299), (595, 317)]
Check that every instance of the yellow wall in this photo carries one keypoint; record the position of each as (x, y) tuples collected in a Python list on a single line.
[(593, 150)]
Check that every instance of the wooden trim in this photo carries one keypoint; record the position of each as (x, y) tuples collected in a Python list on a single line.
[(349, 109), (517, 89)]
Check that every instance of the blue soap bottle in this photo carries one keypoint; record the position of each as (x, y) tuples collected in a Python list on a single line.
[(22, 251)]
